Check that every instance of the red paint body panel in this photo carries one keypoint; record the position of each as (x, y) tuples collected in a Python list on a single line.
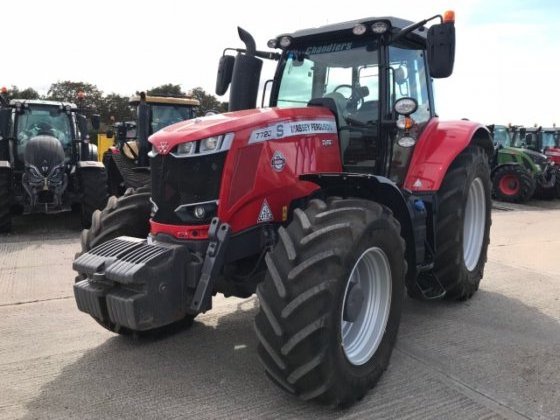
[(180, 231), (553, 153), (439, 144), (302, 151)]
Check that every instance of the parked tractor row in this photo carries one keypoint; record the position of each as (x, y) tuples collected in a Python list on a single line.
[(526, 163), (329, 204), (48, 164)]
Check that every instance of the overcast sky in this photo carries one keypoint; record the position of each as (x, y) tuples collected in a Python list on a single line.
[(506, 70)]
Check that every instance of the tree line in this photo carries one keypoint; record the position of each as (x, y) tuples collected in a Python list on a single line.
[(113, 105)]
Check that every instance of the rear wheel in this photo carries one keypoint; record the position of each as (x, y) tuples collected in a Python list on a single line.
[(93, 182), (463, 224), (513, 183), (330, 303), (5, 202)]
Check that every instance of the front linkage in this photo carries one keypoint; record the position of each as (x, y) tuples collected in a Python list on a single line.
[(145, 284)]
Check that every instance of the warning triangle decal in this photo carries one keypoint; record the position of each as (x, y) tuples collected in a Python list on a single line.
[(265, 215)]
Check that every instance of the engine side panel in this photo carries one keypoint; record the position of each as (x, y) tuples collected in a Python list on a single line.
[(437, 147), (261, 174)]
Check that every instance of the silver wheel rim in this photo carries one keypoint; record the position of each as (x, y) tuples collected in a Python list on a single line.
[(361, 338), (474, 224)]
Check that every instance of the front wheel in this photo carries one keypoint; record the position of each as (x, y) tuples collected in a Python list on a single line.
[(330, 303), (513, 183)]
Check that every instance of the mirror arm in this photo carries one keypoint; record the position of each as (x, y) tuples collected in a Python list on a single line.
[(261, 54), (410, 28)]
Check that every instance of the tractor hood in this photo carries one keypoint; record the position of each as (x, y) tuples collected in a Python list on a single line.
[(536, 157), (44, 153), (233, 122)]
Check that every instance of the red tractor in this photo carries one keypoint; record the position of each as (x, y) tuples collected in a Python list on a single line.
[(329, 204)]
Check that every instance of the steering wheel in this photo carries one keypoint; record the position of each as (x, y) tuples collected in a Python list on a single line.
[(44, 129), (355, 100)]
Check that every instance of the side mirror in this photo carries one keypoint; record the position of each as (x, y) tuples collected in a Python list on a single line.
[(109, 134), (5, 118), (225, 71), (441, 49), (95, 121)]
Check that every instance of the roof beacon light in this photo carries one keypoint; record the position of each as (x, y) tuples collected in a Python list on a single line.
[(4, 90), (449, 16), (379, 27), (359, 29)]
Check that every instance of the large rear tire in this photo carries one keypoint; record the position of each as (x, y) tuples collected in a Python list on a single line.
[(513, 183), (93, 183), (330, 303), (463, 224), (5, 202)]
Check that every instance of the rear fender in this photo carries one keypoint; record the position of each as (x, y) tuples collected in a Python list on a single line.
[(438, 146), (410, 211)]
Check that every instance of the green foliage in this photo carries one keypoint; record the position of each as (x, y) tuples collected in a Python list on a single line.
[(208, 102), (116, 106), (113, 104), (28, 93), (67, 91), (168, 89)]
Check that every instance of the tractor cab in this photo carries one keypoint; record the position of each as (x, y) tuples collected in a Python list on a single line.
[(373, 74), (549, 142), (127, 161)]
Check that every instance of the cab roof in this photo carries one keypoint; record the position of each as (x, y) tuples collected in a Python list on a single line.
[(396, 23), (135, 100), (42, 102)]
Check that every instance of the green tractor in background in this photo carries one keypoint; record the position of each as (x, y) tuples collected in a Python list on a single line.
[(519, 170)]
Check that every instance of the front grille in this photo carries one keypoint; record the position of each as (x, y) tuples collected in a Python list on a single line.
[(178, 181)]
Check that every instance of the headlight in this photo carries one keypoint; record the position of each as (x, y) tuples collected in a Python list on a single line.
[(57, 172), (379, 27), (35, 172), (406, 106), (209, 144), (185, 148)]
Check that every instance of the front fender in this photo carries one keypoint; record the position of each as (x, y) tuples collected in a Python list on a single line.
[(438, 146), (410, 211)]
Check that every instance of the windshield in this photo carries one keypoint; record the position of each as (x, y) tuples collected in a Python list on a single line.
[(501, 136), (43, 120), (164, 115), (550, 139), (346, 72)]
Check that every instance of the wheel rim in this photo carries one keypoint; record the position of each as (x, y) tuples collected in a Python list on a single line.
[(362, 335), (509, 185), (474, 224)]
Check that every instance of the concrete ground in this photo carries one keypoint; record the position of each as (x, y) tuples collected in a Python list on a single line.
[(495, 356)]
